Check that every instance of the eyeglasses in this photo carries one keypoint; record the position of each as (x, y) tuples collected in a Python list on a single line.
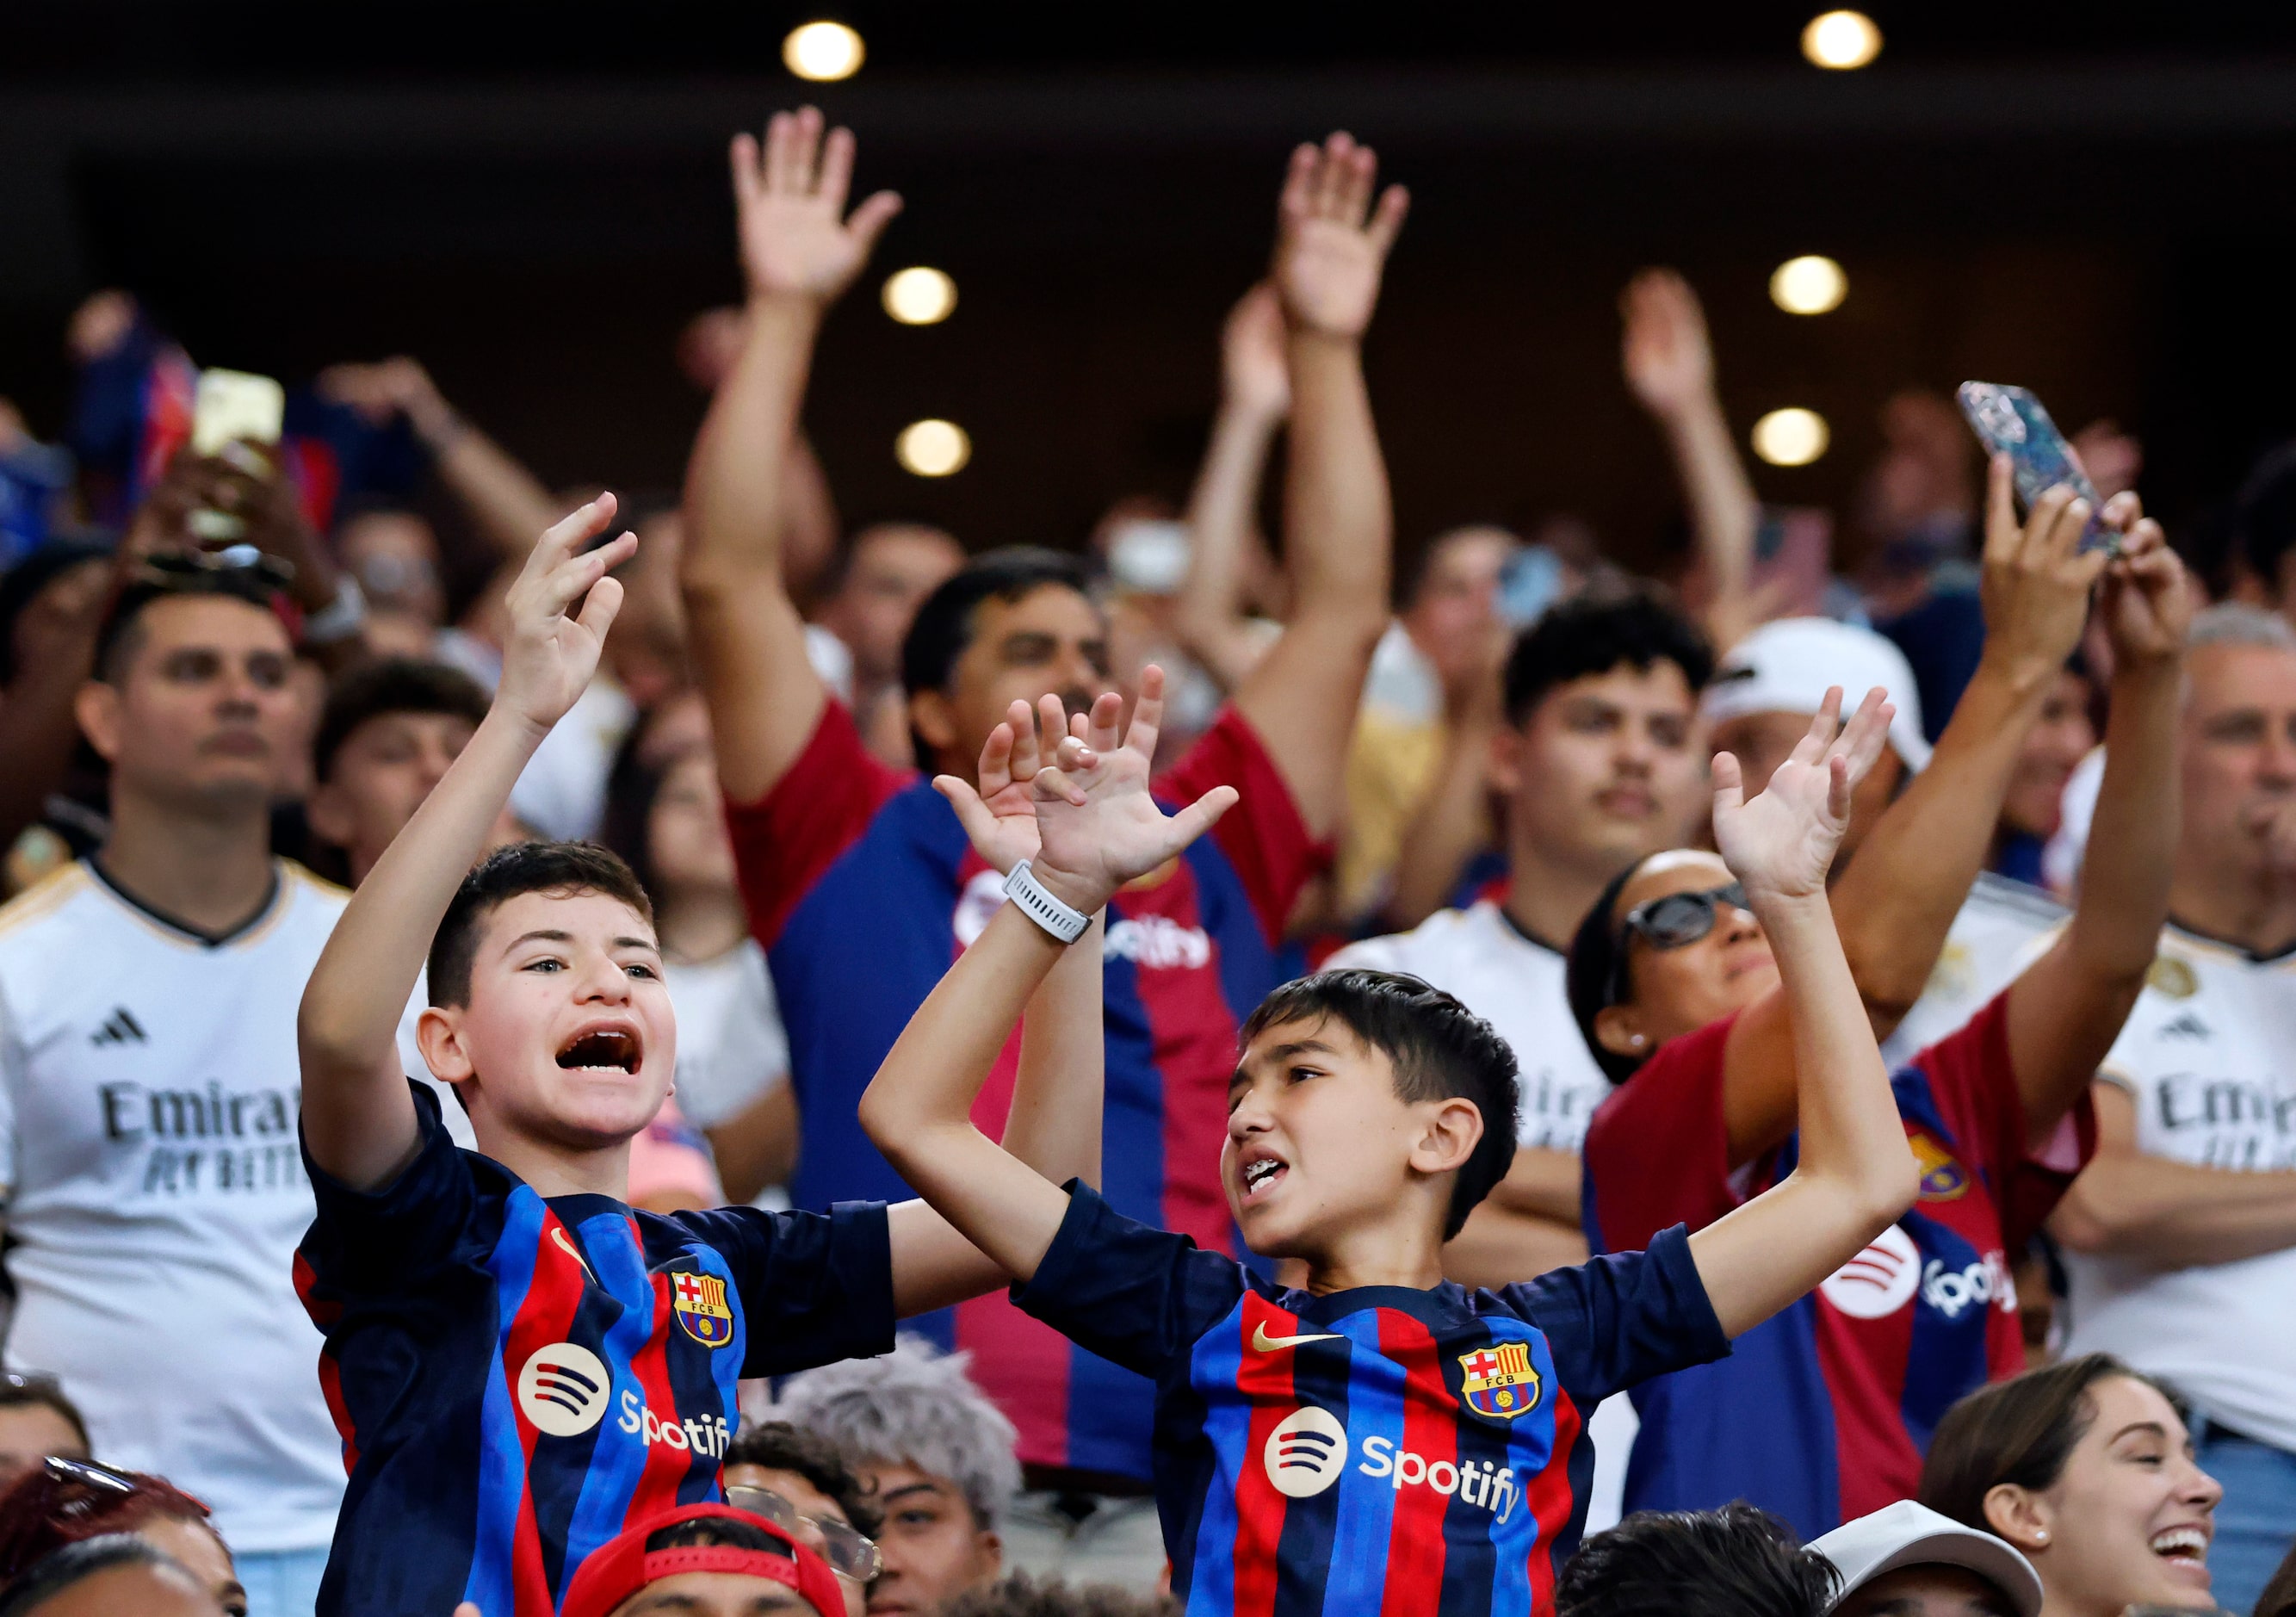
[(849, 1554), (1676, 921)]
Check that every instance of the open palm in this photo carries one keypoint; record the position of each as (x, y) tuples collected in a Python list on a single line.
[(999, 815), (1782, 842), (1331, 243), (789, 195), (1097, 826)]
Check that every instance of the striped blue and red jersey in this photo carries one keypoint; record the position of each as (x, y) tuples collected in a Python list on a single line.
[(1384, 1449), (1824, 1412), (517, 1379), (863, 889)]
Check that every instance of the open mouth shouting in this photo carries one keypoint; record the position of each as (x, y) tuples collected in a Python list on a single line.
[(608, 1048), (2185, 1547), (1261, 1170)]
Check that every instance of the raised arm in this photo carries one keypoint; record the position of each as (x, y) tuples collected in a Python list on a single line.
[(358, 1116), (1855, 1174), (1332, 245), (1895, 902), (800, 252), (1668, 362), (1099, 829), (507, 502), (1223, 509), (1899, 897), (2067, 1008), (1053, 1127)]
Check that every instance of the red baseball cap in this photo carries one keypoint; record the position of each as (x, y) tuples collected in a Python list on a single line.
[(622, 1566)]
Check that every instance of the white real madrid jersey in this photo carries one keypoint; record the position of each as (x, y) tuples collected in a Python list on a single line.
[(2002, 928), (149, 1093), (1477, 956), (2207, 1057)]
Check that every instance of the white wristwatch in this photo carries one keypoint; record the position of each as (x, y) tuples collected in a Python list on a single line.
[(1023, 889)]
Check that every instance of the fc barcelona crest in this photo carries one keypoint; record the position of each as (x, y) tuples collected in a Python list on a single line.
[(1943, 1179), (1497, 1381), (699, 1301)]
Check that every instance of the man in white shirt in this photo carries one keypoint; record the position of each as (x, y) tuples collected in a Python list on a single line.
[(2181, 1236), (148, 1091), (1600, 762)]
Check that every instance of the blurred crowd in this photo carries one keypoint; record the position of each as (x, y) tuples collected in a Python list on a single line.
[(232, 672)]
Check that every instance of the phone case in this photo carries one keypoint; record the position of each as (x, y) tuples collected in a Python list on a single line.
[(2010, 420), (231, 406)]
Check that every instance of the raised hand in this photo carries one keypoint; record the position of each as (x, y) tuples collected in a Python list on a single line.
[(1666, 355), (2036, 581), (1253, 375), (2146, 604), (790, 199), (1331, 243), (1781, 844), (551, 649), (1096, 824), (1000, 817)]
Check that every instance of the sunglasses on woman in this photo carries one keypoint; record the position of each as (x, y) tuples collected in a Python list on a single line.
[(850, 1554), (1676, 921)]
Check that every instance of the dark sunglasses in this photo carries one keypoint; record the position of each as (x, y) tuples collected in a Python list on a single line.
[(89, 1473), (849, 1552), (1676, 921), (195, 569)]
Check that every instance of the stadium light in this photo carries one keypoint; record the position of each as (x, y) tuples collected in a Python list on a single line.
[(1811, 285), (822, 51), (1792, 436), (920, 296), (1842, 40), (933, 448)]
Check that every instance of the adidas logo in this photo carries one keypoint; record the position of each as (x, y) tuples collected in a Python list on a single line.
[(120, 1028), (2188, 1025)]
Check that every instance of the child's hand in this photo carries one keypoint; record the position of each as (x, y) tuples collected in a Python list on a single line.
[(1000, 817), (1780, 845), (550, 656), (1098, 827)]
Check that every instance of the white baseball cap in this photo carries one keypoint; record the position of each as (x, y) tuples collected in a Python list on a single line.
[(1787, 666), (1906, 1534)]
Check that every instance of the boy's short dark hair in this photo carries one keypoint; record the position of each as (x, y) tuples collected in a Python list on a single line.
[(395, 685), (1594, 969), (560, 869), (778, 1445), (1441, 1051), (1594, 632), (702, 1532), (1735, 1561), (944, 625)]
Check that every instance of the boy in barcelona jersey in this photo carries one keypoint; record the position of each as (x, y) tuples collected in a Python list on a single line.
[(1378, 1439), (521, 1364)]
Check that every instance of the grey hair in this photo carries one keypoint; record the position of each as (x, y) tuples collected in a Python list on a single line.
[(913, 1406), (2237, 623)]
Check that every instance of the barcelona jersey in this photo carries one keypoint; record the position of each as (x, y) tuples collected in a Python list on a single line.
[(863, 890), (1825, 1410), (1384, 1449), (518, 1379)]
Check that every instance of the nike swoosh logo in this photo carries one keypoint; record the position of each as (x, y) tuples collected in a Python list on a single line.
[(559, 1236), (1262, 1343)]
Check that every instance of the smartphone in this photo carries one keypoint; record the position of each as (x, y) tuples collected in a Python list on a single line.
[(2010, 420), (231, 406)]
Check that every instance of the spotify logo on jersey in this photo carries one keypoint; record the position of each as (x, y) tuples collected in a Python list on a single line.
[(1878, 1281), (563, 1388), (1306, 1453)]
